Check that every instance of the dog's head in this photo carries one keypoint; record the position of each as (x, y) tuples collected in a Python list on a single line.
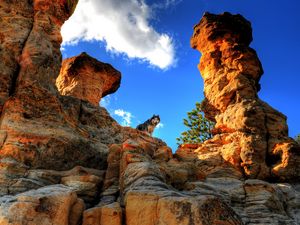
[(155, 120)]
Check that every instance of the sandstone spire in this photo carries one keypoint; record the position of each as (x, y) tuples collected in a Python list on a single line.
[(250, 134)]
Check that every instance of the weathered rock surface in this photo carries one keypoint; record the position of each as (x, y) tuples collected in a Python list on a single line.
[(39, 128), (86, 78), (46, 138), (146, 191), (64, 160), (179, 190), (50, 205), (250, 134), (104, 215)]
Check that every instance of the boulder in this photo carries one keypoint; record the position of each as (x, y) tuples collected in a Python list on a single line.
[(86, 78), (110, 214), (55, 204)]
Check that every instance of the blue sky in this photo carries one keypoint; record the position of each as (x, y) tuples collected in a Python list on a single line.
[(149, 42)]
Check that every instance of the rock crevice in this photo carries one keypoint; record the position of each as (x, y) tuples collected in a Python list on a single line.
[(16, 23), (15, 75)]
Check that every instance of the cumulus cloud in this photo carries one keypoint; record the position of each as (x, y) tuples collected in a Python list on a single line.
[(105, 101), (159, 126), (125, 116), (124, 27), (166, 4)]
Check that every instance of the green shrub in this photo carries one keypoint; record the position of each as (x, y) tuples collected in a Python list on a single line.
[(199, 128)]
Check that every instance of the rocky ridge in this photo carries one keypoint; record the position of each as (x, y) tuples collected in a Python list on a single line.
[(64, 160)]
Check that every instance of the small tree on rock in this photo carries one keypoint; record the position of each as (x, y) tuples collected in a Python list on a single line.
[(297, 138), (199, 128)]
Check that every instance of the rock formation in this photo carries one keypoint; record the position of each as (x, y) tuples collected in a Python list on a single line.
[(86, 78), (49, 205), (39, 128), (141, 177), (65, 161), (250, 134)]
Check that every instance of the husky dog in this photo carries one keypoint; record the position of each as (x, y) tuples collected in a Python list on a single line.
[(149, 125)]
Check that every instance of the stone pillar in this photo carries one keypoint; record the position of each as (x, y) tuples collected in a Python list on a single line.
[(250, 129)]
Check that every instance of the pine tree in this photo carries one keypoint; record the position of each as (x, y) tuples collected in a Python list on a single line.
[(297, 138), (199, 128)]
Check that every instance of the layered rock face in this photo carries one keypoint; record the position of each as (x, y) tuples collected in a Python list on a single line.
[(149, 184), (49, 205), (39, 128), (250, 134), (30, 104), (65, 161), (86, 78)]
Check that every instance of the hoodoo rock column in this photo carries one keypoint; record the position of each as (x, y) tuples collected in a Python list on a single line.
[(250, 134), (86, 78)]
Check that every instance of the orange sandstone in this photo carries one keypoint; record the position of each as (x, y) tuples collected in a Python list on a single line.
[(86, 78), (251, 135)]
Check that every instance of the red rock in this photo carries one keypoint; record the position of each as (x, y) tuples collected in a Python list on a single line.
[(55, 204), (163, 153), (249, 129), (39, 128), (106, 215), (88, 79), (46, 139)]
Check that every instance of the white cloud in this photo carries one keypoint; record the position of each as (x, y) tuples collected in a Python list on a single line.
[(126, 116), (105, 101), (166, 4), (124, 26), (160, 125)]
